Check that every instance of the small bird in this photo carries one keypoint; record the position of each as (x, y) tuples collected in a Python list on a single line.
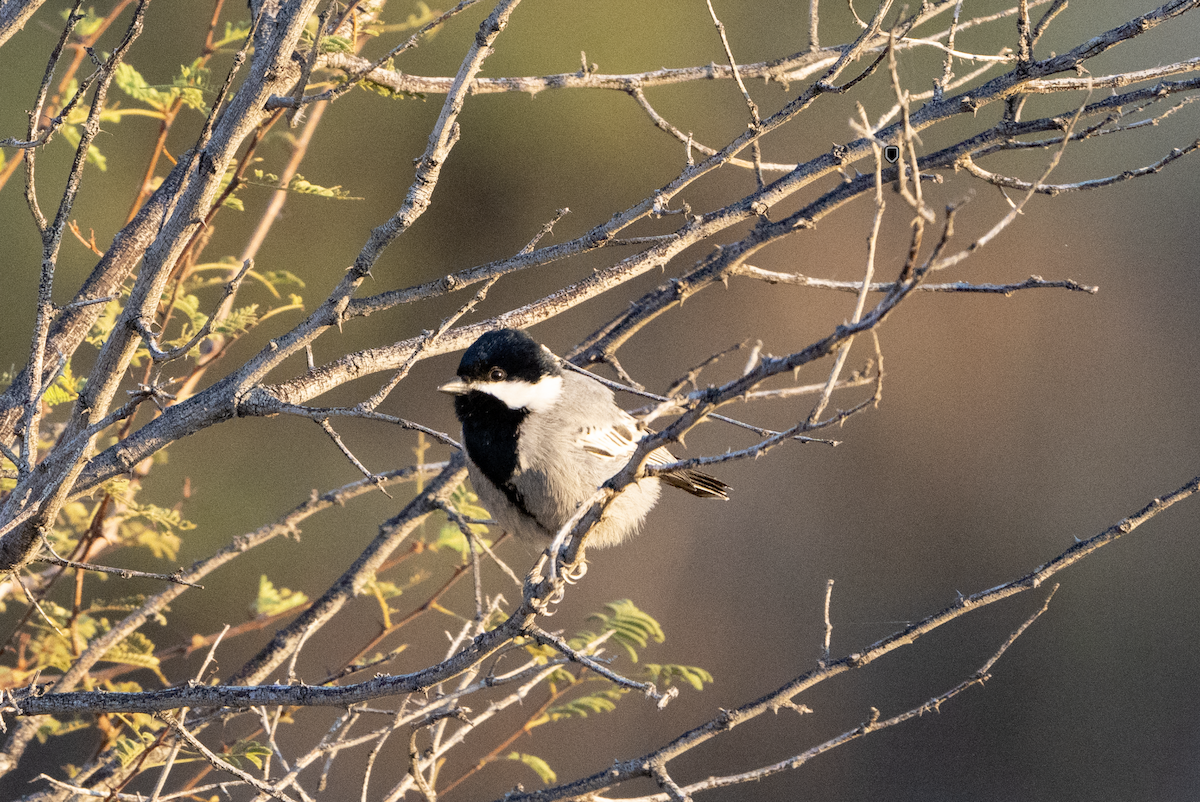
[(542, 440)]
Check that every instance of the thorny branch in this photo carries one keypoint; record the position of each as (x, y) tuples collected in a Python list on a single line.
[(36, 700), (729, 719)]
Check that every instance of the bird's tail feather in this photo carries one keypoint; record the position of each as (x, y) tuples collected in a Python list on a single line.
[(698, 484)]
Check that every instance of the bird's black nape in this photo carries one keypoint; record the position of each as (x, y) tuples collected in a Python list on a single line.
[(510, 350)]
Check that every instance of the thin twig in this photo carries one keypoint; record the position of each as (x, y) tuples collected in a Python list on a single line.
[(828, 622), (222, 765)]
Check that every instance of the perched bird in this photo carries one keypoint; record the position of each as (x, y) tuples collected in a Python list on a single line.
[(541, 440)]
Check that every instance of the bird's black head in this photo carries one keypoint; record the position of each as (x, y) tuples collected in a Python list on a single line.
[(503, 377), (506, 354)]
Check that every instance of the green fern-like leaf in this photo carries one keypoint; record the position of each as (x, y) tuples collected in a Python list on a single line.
[(387, 91), (123, 604), (52, 728), (88, 25), (540, 767), (421, 17), (466, 504), (94, 157), (153, 527), (131, 82), (631, 627), (235, 33), (272, 600), (692, 675), (188, 305), (106, 321), (73, 521), (65, 388), (191, 83), (163, 516), (384, 590), (451, 537), (300, 185), (163, 544), (305, 187), (248, 751), (239, 321), (336, 44), (135, 650), (274, 279), (129, 749), (581, 707)]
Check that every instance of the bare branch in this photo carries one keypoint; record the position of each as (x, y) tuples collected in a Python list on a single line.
[(729, 719)]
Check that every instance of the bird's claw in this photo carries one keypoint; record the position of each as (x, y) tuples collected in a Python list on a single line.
[(574, 573)]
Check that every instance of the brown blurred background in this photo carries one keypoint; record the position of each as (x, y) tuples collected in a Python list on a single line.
[(1008, 426)]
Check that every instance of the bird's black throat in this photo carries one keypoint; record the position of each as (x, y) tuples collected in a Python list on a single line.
[(490, 433)]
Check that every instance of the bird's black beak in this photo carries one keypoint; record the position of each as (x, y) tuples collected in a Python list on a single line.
[(456, 387)]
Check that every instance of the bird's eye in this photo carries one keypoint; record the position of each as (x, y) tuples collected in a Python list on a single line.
[(497, 375)]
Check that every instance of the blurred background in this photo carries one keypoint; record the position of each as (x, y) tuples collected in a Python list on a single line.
[(1008, 428)]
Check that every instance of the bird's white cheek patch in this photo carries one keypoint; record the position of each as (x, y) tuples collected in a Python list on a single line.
[(517, 394)]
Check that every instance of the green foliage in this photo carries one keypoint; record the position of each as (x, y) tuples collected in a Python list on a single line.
[(666, 674), (272, 600), (231, 201), (188, 305), (86, 26), (65, 388), (128, 523), (274, 279), (336, 44), (387, 91), (73, 521), (188, 87), (449, 536), (129, 748), (390, 590), (216, 274), (60, 635), (235, 33), (74, 136), (131, 82), (235, 324), (139, 732), (631, 627), (623, 622), (135, 722), (107, 320), (300, 185), (383, 591), (152, 527), (191, 84), (246, 750), (136, 650), (51, 647), (51, 728), (126, 604), (539, 766), (604, 701)]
